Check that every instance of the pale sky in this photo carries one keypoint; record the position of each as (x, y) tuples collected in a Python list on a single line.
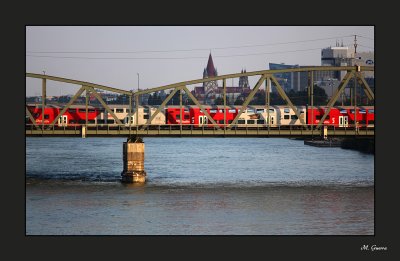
[(127, 51)]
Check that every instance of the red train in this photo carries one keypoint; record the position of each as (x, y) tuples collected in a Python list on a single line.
[(252, 116)]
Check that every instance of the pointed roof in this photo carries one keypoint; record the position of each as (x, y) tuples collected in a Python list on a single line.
[(211, 72)]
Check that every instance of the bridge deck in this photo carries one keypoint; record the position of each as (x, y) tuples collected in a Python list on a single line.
[(157, 131)]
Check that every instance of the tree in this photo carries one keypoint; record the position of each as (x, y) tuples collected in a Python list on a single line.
[(219, 101), (175, 99), (320, 96), (150, 100), (239, 100)]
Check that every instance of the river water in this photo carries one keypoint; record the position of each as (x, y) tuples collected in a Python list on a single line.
[(198, 186)]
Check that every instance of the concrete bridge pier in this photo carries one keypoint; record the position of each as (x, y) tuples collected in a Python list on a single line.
[(133, 157)]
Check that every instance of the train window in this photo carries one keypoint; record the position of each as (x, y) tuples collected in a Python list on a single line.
[(213, 111), (230, 121), (260, 121), (371, 111), (250, 121), (46, 116), (293, 117), (91, 121), (362, 122), (301, 112), (221, 122), (119, 110), (343, 111), (187, 117), (145, 116), (100, 121), (271, 110), (250, 111), (71, 110), (186, 110), (146, 110), (352, 111), (111, 121), (241, 121), (178, 116), (221, 111), (286, 117), (72, 121), (351, 122), (362, 111), (260, 110), (286, 110), (232, 111), (91, 110), (82, 122), (82, 110)]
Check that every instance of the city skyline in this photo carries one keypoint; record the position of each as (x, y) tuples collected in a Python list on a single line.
[(161, 55)]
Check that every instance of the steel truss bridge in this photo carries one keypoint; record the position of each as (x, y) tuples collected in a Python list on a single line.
[(217, 130)]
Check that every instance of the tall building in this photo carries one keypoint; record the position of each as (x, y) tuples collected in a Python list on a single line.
[(342, 56), (335, 56), (296, 81)]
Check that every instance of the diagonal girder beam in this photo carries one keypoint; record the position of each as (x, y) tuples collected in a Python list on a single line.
[(91, 89), (163, 105), (31, 117), (286, 98), (366, 87), (340, 88), (248, 100), (77, 94), (200, 106), (59, 79)]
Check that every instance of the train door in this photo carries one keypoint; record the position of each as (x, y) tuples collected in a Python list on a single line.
[(202, 120), (62, 121), (343, 121), (129, 118), (271, 120)]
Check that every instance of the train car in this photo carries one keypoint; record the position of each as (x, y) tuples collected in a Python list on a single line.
[(122, 114), (343, 116), (73, 116)]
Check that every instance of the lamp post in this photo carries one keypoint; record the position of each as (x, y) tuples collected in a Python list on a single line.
[(138, 81)]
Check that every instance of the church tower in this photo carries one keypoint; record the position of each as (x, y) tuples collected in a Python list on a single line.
[(244, 81), (211, 87)]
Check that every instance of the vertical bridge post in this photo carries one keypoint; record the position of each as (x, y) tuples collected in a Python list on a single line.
[(133, 160)]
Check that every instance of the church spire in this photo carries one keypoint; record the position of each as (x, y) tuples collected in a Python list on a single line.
[(211, 72)]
